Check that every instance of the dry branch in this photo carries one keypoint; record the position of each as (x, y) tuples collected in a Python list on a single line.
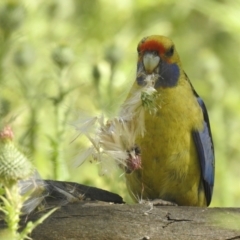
[(88, 219)]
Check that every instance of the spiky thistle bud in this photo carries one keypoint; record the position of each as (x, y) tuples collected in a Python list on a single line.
[(14, 165), (62, 56), (24, 56), (11, 16)]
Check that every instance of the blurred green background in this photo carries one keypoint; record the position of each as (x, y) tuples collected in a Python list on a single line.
[(61, 61)]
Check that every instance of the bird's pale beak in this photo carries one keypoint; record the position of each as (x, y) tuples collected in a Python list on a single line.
[(150, 61)]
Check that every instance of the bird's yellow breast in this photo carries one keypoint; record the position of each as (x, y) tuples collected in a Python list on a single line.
[(170, 166)]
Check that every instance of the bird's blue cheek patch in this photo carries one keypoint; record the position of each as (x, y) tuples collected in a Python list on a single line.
[(168, 75), (140, 74)]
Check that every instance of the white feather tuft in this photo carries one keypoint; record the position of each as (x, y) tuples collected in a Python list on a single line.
[(114, 139)]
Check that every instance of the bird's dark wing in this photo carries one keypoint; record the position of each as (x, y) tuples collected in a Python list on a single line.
[(205, 150)]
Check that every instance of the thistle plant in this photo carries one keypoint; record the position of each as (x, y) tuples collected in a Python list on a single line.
[(12, 14), (114, 140), (62, 57), (14, 167)]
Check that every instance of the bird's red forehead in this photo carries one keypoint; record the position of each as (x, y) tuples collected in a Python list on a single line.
[(152, 45)]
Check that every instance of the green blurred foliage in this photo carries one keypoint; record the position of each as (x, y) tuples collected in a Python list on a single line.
[(61, 60)]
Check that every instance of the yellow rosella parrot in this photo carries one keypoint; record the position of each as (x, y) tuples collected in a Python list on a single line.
[(176, 149)]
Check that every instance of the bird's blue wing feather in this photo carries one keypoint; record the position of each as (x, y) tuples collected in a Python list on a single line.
[(205, 150)]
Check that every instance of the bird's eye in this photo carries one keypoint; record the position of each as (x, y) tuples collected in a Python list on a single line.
[(170, 52)]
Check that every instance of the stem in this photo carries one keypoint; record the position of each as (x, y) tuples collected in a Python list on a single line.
[(15, 201), (60, 168)]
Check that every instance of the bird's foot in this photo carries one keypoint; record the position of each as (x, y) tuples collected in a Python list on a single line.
[(161, 202), (156, 202)]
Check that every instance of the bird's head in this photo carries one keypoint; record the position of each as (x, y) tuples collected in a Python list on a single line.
[(157, 56)]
